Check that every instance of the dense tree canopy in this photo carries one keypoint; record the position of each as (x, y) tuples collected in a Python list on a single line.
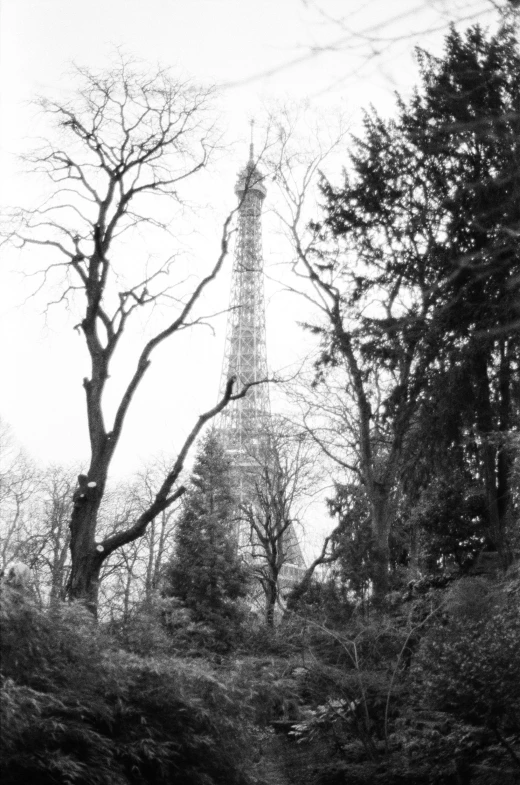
[(416, 260)]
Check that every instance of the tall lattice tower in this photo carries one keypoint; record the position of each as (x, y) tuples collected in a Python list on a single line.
[(244, 424), (243, 421)]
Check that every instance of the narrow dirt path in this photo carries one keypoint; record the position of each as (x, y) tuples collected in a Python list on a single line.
[(270, 767)]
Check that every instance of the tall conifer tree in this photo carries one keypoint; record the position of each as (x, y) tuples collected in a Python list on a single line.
[(206, 573)]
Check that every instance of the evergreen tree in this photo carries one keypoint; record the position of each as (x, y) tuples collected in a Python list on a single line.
[(206, 573), (468, 124), (417, 263)]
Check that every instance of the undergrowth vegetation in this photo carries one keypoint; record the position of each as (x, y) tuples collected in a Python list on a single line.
[(76, 708), (423, 692)]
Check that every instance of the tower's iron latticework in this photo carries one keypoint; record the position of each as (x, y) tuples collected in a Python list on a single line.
[(244, 423), (244, 420)]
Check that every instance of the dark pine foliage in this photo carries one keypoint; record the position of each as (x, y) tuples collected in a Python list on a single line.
[(429, 221), (206, 573)]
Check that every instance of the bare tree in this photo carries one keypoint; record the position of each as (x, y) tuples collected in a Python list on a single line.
[(53, 561), (159, 540), (127, 136), (35, 505), (282, 478), (19, 482), (132, 575), (358, 411), (374, 33)]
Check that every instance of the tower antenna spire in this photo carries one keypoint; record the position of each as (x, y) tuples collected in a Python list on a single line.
[(251, 145)]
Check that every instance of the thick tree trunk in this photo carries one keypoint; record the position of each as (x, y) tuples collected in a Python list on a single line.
[(271, 596), (86, 558), (84, 579), (414, 553), (271, 589), (494, 455), (379, 503)]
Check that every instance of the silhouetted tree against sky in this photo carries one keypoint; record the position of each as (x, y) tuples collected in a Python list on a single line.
[(126, 139), (282, 478)]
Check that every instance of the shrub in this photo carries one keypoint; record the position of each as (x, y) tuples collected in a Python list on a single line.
[(270, 686), (471, 667), (78, 710), (178, 723), (164, 627), (59, 649)]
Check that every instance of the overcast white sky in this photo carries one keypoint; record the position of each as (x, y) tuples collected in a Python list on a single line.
[(256, 51)]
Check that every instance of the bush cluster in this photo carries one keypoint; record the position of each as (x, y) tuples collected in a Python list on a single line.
[(471, 668), (76, 709)]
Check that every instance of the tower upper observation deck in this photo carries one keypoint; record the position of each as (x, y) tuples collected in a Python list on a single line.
[(250, 180)]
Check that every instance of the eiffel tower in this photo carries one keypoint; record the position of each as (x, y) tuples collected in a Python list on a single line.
[(245, 420), (244, 425)]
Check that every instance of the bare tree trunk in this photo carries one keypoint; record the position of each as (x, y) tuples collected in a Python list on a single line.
[(87, 555), (494, 456), (379, 503), (414, 553), (126, 596), (150, 572), (58, 577), (301, 588), (84, 579), (160, 549), (271, 597)]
